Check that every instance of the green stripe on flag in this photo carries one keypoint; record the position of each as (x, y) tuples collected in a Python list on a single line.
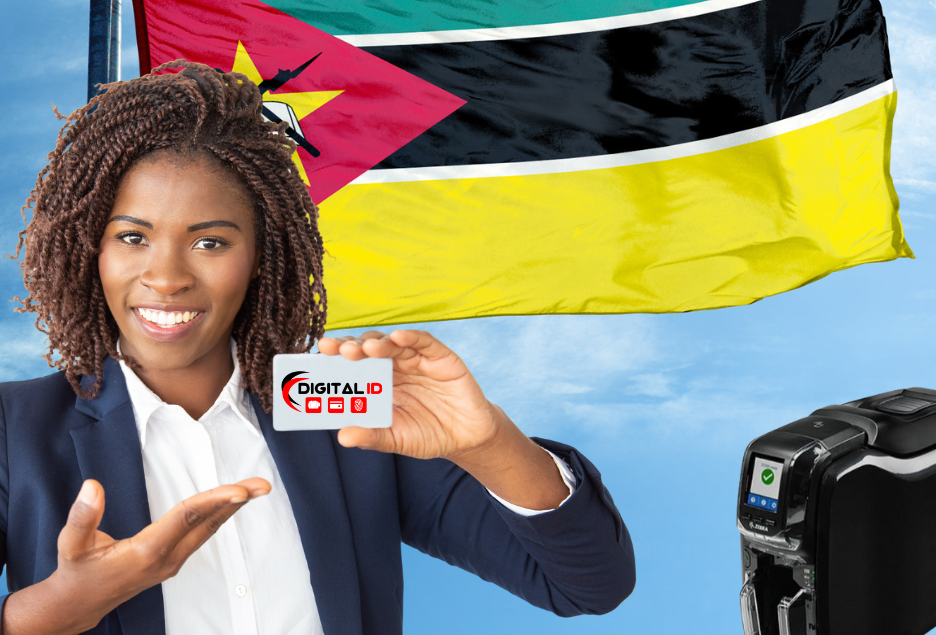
[(358, 17)]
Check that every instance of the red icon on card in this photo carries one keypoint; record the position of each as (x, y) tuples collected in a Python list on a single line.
[(359, 404), (336, 404), (313, 404)]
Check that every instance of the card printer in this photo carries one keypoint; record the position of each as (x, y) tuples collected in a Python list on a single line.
[(837, 514)]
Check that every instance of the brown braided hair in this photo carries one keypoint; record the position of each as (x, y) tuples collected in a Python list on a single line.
[(197, 111)]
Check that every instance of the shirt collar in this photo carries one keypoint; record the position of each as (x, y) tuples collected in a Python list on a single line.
[(146, 402)]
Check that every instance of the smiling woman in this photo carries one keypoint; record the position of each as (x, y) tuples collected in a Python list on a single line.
[(145, 149), (172, 252), (164, 275)]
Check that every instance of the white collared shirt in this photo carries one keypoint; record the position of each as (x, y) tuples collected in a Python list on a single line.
[(251, 577)]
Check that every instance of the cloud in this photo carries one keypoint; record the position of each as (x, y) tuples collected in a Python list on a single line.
[(913, 56), (22, 347), (541, 350), (535, 364), (695, 417), (653, 384), (562, 388), (917, 184), (47, 65), (915, 48), (615, 378)]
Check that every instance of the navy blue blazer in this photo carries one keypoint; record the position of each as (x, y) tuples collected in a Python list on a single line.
[(353, 508)]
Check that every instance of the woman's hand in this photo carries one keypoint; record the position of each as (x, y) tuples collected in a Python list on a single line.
[(97, 573), (439, 411)]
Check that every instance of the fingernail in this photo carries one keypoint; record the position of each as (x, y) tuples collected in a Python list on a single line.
[(258, 494), (238, 499), (87, 495)]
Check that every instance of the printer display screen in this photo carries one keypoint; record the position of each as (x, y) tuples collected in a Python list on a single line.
[(764, 492)]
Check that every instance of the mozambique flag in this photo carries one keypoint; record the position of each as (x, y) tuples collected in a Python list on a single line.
[(475, 158)]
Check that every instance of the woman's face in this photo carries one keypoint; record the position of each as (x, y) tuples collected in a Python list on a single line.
[(176, 258)]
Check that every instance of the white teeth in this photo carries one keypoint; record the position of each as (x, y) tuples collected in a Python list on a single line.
[(165, 319)]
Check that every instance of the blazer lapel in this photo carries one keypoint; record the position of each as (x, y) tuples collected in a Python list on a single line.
[(108, 451), (309, 468)]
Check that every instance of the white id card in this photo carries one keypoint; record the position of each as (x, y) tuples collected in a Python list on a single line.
[(328, 392)]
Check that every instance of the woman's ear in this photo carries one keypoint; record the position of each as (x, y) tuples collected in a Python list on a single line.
[(256, 266)]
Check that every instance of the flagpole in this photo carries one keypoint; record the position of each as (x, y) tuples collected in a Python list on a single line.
[(103, 44)]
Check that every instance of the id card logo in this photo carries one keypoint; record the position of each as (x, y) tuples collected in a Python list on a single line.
[(336, 405), (289, 381)]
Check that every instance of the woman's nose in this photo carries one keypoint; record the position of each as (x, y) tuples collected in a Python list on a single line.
[(167, 273)]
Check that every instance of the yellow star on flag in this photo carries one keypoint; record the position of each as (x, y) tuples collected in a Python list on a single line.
[(301, 103)]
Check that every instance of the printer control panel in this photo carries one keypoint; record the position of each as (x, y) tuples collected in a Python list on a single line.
[(778, 474), (771, 497), (762, 498)]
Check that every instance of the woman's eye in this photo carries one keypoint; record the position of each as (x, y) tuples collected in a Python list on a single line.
[(132, 238), (209, 243)]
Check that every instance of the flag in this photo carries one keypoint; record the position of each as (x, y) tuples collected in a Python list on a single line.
[(475, 158)]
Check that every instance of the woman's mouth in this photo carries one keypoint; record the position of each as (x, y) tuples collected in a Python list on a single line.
[(167, 319), (166, 326)]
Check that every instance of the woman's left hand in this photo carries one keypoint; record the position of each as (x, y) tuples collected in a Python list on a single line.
[(439, 409)]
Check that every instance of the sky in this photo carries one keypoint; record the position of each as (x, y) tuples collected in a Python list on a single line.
[(663, 405)]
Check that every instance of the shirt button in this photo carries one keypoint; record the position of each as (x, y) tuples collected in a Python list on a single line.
[(240, 590)]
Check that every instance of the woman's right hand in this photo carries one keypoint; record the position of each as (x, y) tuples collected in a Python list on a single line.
[(97, 573)]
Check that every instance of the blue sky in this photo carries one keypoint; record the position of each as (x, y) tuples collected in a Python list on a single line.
[(664, 405)]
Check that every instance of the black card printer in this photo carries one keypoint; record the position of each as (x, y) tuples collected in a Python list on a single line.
[(837, 514)]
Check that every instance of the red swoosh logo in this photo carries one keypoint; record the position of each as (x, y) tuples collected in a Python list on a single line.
[(286, 392)]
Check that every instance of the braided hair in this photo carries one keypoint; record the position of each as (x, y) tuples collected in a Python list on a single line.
[(197, 111)]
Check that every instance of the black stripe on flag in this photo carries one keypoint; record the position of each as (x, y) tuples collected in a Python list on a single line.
[(643, 87)]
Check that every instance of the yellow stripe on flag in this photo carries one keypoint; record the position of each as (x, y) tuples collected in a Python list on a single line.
[(718, 229)]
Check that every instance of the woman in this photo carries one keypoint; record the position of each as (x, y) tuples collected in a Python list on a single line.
[(172, 252)]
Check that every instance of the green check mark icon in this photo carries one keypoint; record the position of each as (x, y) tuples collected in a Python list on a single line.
[(767, 476)]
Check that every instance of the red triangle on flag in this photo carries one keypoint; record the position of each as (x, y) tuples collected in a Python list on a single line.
[(351, 107)]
